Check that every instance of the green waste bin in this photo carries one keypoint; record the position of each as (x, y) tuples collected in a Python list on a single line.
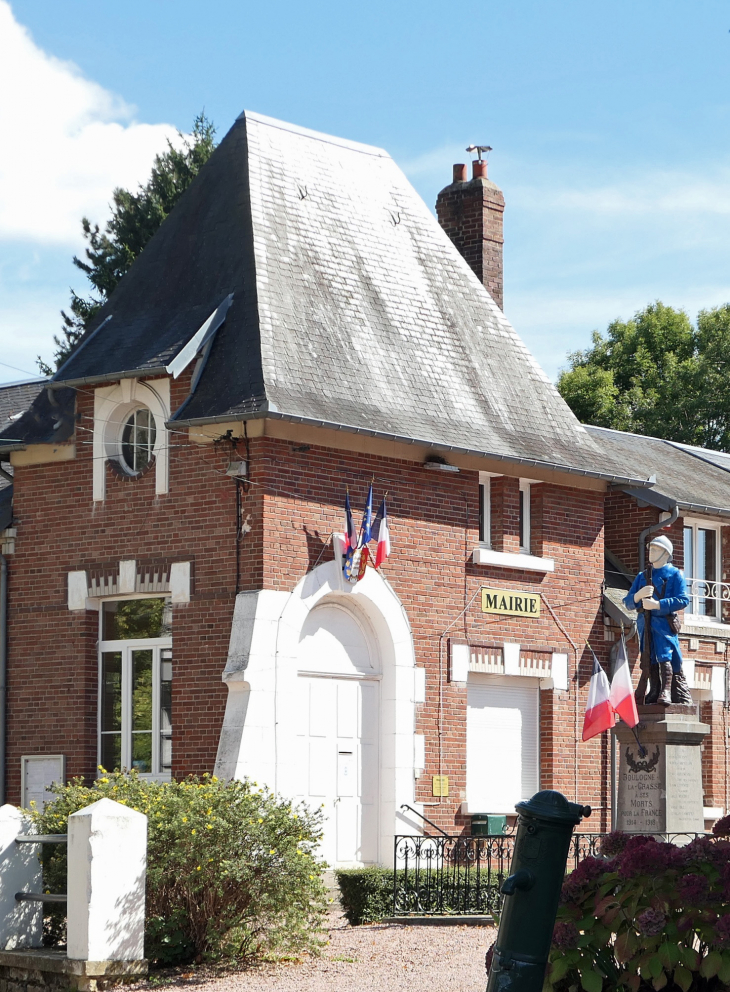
[(487, 824)]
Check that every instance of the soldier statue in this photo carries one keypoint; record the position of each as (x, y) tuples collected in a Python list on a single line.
[(658, 593)]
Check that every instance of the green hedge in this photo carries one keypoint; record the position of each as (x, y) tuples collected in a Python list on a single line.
[(367, 893)]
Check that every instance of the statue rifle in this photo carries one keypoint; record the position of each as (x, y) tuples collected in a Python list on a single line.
[(646, 647)]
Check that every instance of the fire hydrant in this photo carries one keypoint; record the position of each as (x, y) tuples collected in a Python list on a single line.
[(532, 892)]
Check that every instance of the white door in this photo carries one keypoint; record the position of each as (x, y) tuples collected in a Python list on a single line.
[(338, 733), (338, 764), (502, 742)]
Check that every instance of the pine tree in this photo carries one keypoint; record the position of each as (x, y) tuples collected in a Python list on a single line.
[(135, 218)]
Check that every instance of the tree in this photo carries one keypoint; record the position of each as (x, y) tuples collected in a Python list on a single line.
[(135, 218), (656, 374)]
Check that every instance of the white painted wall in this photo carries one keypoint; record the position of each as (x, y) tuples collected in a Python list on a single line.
[(258, 739), (107, 864), (21, 923)]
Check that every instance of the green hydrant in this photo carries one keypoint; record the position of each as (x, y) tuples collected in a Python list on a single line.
[(532, 892)]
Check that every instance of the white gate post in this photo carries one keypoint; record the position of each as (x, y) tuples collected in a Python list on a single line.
[(21, 923), (107, 863)]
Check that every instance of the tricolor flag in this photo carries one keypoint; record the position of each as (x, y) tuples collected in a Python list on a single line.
[(367, 519), (382, 534), (350, 532), (599, 712), (621, 695)]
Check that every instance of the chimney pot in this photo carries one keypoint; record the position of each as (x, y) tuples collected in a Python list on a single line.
[(460, 173), (479, 167)]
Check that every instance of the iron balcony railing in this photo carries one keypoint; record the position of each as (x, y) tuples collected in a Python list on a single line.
[(706, 598), (462, 876)]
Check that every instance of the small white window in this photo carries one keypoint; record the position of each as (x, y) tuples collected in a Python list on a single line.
[(485, 510), (138, 440), (524, 516), (702, 563)]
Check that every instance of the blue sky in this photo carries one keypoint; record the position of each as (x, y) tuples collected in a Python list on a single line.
[(609, 123)]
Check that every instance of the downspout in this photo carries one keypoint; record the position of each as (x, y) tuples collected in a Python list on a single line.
[(661, 525), (3, 668)]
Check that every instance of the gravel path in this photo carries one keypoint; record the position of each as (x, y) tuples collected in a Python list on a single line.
[(382, 958)]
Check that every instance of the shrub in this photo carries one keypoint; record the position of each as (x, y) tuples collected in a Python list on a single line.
[(367, 894), (651, 916), (231, 871)]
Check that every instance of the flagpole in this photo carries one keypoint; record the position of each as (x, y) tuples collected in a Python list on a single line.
[(614, 798)]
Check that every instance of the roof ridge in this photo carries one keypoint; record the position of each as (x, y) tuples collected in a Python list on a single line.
[(305, 132)]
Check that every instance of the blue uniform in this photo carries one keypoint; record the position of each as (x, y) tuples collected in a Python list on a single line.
[(668, 584)]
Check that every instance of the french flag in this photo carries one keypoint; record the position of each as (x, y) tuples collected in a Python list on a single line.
[(382, 533), (599, 712), (350, 532), (621, 696)]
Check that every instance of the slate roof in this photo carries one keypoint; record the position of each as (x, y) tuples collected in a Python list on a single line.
[(15, 398), (695, 479), (351, 309)]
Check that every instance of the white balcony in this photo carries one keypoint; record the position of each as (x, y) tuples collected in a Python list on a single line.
[(706, 599)]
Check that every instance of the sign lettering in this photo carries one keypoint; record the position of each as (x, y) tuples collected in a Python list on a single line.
[(516, 604)]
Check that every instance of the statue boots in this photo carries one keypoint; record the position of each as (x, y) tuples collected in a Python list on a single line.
[(680, 688), (655, 685), (665, 672)]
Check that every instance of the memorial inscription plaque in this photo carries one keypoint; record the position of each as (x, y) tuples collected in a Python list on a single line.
[(661, 791)]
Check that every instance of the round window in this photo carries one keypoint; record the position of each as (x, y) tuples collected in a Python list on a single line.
[(138, 440)]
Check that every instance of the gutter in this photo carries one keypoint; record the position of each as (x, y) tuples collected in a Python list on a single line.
[(94, 380), (651, 529), (436, 445), (3, 668)]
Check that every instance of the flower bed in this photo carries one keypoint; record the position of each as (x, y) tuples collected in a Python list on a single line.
[(646, 915)]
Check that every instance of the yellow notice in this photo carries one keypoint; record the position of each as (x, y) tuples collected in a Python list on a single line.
[(511, 602), (440, 785)]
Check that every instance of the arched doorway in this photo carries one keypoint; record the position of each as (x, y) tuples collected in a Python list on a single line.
[(339, 729)]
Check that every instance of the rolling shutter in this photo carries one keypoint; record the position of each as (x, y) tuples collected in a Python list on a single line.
[(502, 742)]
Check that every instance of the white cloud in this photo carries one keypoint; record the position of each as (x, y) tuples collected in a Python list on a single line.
[(69, 142)]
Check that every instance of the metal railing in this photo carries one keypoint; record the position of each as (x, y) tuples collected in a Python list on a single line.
[(706, 598), (462, 876), (46, 897)]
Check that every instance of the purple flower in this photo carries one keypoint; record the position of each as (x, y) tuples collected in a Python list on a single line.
[(722, 929), (565, 936), (582, 876), (651, 922), (722, 827), (648, 858), (613, 843), (693, 888)]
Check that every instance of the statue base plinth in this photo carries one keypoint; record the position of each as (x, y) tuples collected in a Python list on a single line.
[(661, 792)]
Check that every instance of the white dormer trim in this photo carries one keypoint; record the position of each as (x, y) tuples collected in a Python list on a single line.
[(112, 406)]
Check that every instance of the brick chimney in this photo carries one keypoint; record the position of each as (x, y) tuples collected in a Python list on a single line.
[(471, 212)]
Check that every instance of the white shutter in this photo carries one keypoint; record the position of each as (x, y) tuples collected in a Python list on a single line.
[(502, 742)]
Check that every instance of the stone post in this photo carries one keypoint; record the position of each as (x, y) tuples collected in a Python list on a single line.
[(21, 923), (661, 792), (107, 863)]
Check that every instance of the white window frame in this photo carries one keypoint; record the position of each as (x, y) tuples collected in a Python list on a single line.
[(157, 644), (485, 509), (525, 528), (697, 523)]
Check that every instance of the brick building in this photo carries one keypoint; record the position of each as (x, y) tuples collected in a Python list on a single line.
[(300, 326)]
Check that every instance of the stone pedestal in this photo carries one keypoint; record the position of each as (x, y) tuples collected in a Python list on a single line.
[(661, 792)]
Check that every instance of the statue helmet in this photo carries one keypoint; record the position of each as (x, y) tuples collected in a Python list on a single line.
[(663, 542)]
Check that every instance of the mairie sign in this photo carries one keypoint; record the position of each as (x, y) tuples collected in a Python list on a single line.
[(514, 603)]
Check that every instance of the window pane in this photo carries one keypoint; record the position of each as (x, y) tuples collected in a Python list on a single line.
[(688, 552), (138, 440), (142, 752), (111, 751), (707, 568), (522, 518), (482, 535), (142, 690), (111, 691), (166, 710), (134, 618)]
